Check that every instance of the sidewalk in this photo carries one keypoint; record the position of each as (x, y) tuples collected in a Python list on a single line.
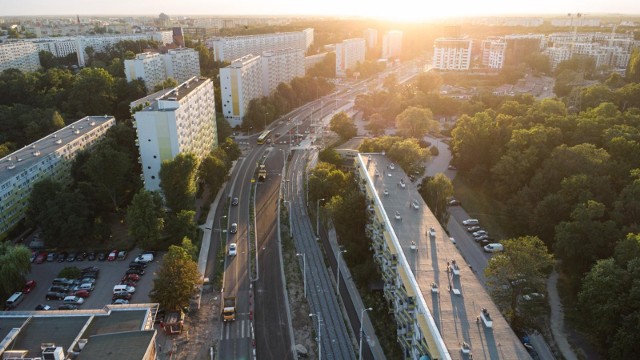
[(557, 318)]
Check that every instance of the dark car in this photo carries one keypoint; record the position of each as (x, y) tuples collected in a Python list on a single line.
[(121, 295), (129, 283), (41, 307), (135, 271), (55, 295), (82, 293), (51, 257), (102, 256), (62, 256), (81, 256), (234, 202), (91, 256), (67, 307), (72, 256), (137, 265), (91, 269), (58, 288)]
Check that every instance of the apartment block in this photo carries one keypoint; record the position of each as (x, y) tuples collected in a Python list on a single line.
[(180, 64), (175, 121), (49, 157), (19, 55), (240, 83), (452, 53), (280, 66), (392, 44), (371, 37), (441, 309), (493, 51), (349, 53), (232, 48)]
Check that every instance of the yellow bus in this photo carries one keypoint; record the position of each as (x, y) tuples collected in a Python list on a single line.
[(265, 137)]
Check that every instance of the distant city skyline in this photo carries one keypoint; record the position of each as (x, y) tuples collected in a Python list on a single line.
[(396, 10)]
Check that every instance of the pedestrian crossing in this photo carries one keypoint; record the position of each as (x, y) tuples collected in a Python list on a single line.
[(238, 329)]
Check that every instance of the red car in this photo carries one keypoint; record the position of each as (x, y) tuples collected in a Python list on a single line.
[(131, 277), (28, 286), (82, 293), (112, 255), (42, 257)]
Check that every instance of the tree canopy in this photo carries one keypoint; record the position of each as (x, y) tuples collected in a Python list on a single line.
[(177, 280), (343, 125), (178, 181)]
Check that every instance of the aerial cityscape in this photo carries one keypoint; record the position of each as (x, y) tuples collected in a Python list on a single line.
[(333, 180)]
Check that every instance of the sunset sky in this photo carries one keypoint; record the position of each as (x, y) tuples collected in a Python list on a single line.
[(391, 10)]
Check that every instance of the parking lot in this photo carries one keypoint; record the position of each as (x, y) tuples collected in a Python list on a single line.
[(111, 273)]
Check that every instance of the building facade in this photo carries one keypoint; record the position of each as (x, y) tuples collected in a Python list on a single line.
[(232, 48), (19, 55), (49, 157), (371, 37), (175, 121), (452, 53), (392, 44), (493, 52), (349, 53), (280, 66), (180, 64), (240, 83)]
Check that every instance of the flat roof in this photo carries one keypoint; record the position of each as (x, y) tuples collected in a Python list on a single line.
[(454, 315), (173, 94), (122, 346), (12, 164)]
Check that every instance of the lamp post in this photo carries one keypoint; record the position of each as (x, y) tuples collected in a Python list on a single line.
[(318, 216), (361, 332), (319, 335), (304, 271), (338, 276)]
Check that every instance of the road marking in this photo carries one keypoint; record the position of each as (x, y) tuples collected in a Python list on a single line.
[(242, 332)]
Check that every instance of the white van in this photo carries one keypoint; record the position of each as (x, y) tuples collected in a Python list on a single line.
[(14, 300), (124, 288), (495, 247), (144, 258)]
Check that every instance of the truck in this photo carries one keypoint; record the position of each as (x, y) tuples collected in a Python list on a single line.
[(229, 309)]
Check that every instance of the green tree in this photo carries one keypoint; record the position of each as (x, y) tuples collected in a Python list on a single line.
[(633, 69), (168, 83), (408, 154), (108, 169), (190, 248), (377, 124), (66, 219), (177, 280), (92, 92), (15, 264), (178, 181), (436, 191), (145, 218), (416, 122), (522, 268), (181, 225), (329, 155), (42, 192), (343, 125), (214, 171)]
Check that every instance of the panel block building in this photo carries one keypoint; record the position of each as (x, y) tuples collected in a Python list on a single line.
[(452, 53), (232, 48), (49, 157), (349, 53), (392, 44), (180, 64), (19, 55), (174, 121)]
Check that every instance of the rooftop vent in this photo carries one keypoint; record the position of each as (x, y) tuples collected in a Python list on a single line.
[(36, 153), (11, 166), (59, 141), (93, 123), (77, 132)]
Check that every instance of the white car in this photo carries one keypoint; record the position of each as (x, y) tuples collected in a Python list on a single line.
[(233, 249), (73, 300), (495, 247), (470, 222), (392, 166)]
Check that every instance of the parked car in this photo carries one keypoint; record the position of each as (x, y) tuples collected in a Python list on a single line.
[(474, 228), (131, 277), (234, 202), (135, 271), (88, 280), (121, 295), (51, 257), (81, 256), (137, 265), (42, 257), (41, 307), (73, 300), (93, 269), (144, 258), (102, 256), (454, 202), (120, 302), (62, 256), (72, 256), (82, 293), (90, 275), (67, 307), (470, 222), (120, 288), (122, 255), (480, 233), (234, 228), (112, 255), (495, 247), (28, 286), (233, 249), (131, 283), (58, 288), (91, 256), (52, 295), (34, 255)]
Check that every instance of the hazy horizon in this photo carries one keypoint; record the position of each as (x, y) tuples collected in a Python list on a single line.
[(399, 10)]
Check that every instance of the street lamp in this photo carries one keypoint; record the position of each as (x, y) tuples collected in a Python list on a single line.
[(338, 276), (318, 216), (361, 333), (319, 335), (304, 271)]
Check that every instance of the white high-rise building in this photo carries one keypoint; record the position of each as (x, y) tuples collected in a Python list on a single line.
[(493, 52), (452, 53), (19, 55), (280, 66), (50, 157), (232, 48), (180, 64), (175, 121), (240, 83), (392, 44), (371, 36), (349, 53)]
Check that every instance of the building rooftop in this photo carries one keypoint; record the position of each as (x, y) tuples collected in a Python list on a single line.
[(430, 260), (22, 159), (173, 94), (129, 326)]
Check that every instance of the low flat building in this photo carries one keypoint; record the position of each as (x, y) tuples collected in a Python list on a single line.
[(123, 332), (441, 309)]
